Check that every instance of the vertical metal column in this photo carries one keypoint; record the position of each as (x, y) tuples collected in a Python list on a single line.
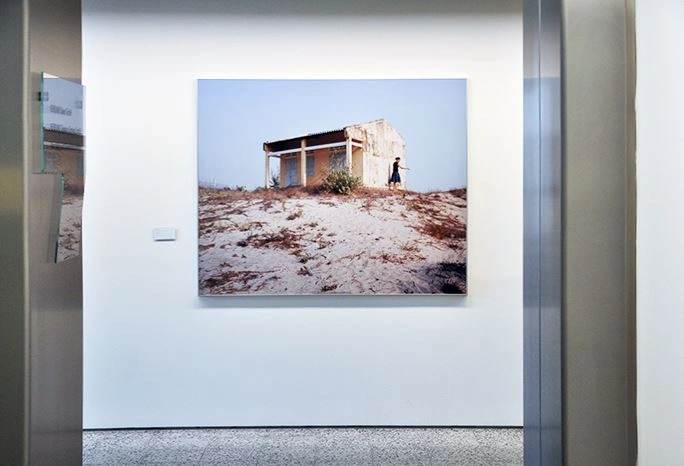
[(13, 315), (55, 290), (531, 236), (542, 235), (598, 234), (579, 233)]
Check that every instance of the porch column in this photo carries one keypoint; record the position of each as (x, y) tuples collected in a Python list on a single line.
[(349, 155), (302, 163), (267, 176)]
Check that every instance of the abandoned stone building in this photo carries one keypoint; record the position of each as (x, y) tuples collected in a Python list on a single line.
[(365, 150)]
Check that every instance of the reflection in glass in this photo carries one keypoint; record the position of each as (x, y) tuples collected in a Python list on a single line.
[(63, 152)]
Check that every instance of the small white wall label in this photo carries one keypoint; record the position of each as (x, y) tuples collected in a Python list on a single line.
[(164, 234)]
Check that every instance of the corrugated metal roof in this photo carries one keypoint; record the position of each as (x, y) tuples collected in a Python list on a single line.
[(321, 133), (309, 135)]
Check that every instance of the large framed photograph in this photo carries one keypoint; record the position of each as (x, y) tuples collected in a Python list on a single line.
[(332, 187)]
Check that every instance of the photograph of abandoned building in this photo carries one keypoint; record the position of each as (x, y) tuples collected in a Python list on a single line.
[(377, 205), (366, 150), (63, 154)]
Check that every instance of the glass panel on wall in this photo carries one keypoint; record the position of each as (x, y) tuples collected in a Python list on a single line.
[(62, 153)]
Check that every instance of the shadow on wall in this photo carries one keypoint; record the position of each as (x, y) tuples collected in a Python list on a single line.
[(303, 8), (338, 301)]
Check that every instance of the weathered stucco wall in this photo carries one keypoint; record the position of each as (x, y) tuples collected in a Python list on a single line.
[(321, 166), (358, 166), (381, 144)]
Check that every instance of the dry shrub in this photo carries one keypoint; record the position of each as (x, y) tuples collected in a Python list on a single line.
[(304, 271), (316, 190), (328, 203), (381, 193), (462, 193), (453, 230), (409, 247), (225, 195), (251, 225), (425, 207), (329, 287), (392, 258), (351, 257), (210, 219), (236, 281), (266, 204), (294, 215), (230, 195), (435, 220), (303, 258), (284, 239), (368, 204), (231, 281)]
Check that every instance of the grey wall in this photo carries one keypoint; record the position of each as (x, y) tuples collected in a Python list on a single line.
[(13, 402), (56, 296), (41, 300), (598, 215)]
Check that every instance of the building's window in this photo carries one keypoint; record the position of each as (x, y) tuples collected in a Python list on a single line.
[(310, 160), (338, 159)]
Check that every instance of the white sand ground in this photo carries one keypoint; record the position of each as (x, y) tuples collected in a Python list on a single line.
[(389, 244), (69, 243)]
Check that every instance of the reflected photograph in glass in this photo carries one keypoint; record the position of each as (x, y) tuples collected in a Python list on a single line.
[(63, 153)]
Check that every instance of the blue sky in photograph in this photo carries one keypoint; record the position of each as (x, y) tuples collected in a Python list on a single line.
[(235, 118)]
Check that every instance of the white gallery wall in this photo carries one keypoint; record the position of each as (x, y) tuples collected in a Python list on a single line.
[(157, 355), (660, 227)]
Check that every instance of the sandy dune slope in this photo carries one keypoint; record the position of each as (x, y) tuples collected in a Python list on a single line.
[(69, 243), (303, 243)]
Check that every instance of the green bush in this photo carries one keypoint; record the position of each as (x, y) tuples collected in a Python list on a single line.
[(341, 182), (274, 181)]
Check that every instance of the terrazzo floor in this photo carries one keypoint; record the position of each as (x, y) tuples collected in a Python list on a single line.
[(306, 446)]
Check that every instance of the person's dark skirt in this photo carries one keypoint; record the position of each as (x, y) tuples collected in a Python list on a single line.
[(395, 178)]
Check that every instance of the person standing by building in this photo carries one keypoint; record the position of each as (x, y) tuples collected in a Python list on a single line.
[(395, 178)]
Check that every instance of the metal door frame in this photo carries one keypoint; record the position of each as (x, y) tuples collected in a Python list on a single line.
[(579, 232)]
